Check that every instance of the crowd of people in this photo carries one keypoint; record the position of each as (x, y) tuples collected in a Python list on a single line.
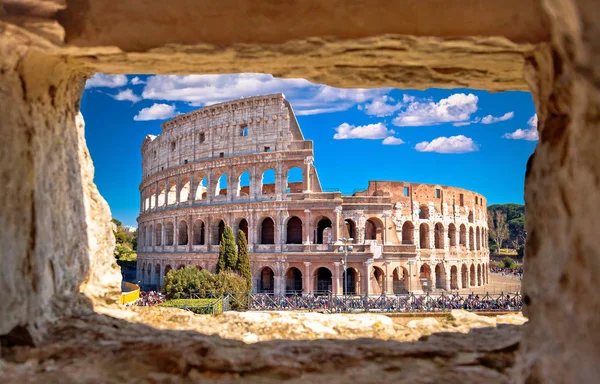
[(399, 303), (516, 273), (150, 298)]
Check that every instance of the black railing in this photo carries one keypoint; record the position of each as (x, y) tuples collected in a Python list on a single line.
[(327, 301)]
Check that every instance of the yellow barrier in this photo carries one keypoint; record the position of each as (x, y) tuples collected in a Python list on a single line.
[(132, 295)]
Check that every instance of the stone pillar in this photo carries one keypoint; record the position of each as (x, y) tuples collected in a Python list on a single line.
[(308, 161), (448, 277), (251, 231), (336, 229), (433, 279), (306, 279), (157, 195), (337, 279), (366, 280), (190, 232), (459, 276)]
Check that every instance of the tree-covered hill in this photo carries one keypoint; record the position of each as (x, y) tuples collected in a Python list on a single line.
[(514, 217)]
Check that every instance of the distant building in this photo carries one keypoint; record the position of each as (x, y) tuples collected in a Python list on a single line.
[(406, 236), (129, 228)]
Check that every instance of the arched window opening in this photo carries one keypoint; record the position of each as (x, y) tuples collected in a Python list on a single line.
[(294, 230), (170, 232), (425, 278), (471, 239), (243, 226), (294, 180), (453, 277), (267, 231), (199, 232), (470, 218), (183, 233), (157, 275), (221, 188), (463, 235), (268, 182), (440, 276), (243, 188), (161, 196), (373, 229), (158, 234), (479, 275), (400, 281), (452, 235), (424, 212), (424, 236), (266, 281), (464, 276), (293, 281), (150, 235), (439, 236), (184, 193), (472, 277), (167, 269), (351, 229), (220, 230), (323, 237), (323, 281), (350, 285), (408, 233), (200, 188), (378, 281), (477, 239), (172, 192)]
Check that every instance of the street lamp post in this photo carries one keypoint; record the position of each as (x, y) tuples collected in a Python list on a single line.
[(345, 247)]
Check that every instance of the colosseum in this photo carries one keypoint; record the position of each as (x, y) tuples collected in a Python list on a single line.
[(246, 164)]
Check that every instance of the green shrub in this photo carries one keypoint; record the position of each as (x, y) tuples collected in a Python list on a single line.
[(508, 262), (198, 306)]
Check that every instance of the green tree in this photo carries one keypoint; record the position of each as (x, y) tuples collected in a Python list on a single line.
[(497, 227), (227, 253), (243, 260)]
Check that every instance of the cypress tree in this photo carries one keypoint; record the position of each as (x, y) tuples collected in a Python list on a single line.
[(227, 252), (243, 260)]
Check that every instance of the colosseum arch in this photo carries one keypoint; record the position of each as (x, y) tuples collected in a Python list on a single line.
[(440, 276), (150, 235), (169, 233), (162, 195), (408, 233), (470, 217), (452, 235), (199, 232), (266, 280), (351, 229), (454, 277), (400, 280), (439, 236), (378, 282), (157, 275), (294, 230), (200, 188), (322, 223), (293, 281), (471, 239), (172, 192), (463, 235), (425, 277), (374, 229), (464, 274), (182, 238), (184, 191), (294, 180), (158, 234), (473, 276), (351, 286), (221, 186), (267, 231), (424, 236), (477, 239), (268, 182), (243, 226), (218, 231), (323, 280), (243, 185)]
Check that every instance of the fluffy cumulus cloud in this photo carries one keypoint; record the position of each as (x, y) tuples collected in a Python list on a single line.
[(370, 131), (156, 112), (489, 119), (381, 106), (306, 98), (391, 140), (453, 144), (530, 133), (455, 108), (127, 95), (104, 80), (136, 81)]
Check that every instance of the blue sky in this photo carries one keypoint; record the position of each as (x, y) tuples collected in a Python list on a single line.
[(461, 137)]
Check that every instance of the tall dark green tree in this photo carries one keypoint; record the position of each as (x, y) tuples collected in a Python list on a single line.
[(227, 252), (243, 261)]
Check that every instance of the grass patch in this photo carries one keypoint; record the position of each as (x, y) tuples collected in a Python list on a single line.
[(199, 306)]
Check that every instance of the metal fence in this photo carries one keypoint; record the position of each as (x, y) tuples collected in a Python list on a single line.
[(326, 301)]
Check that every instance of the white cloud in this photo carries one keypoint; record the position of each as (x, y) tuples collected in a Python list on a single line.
[(453, 144), (453, 109), (306, 98), (371, 131), (156, 112), (136, 80), (489, 119), (463, 123), (530, 133), (391, 140), (127, 95), (380, 107), (104, 80)]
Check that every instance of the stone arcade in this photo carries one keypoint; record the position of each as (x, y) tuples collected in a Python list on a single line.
[(208, 169), (56, 240)]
